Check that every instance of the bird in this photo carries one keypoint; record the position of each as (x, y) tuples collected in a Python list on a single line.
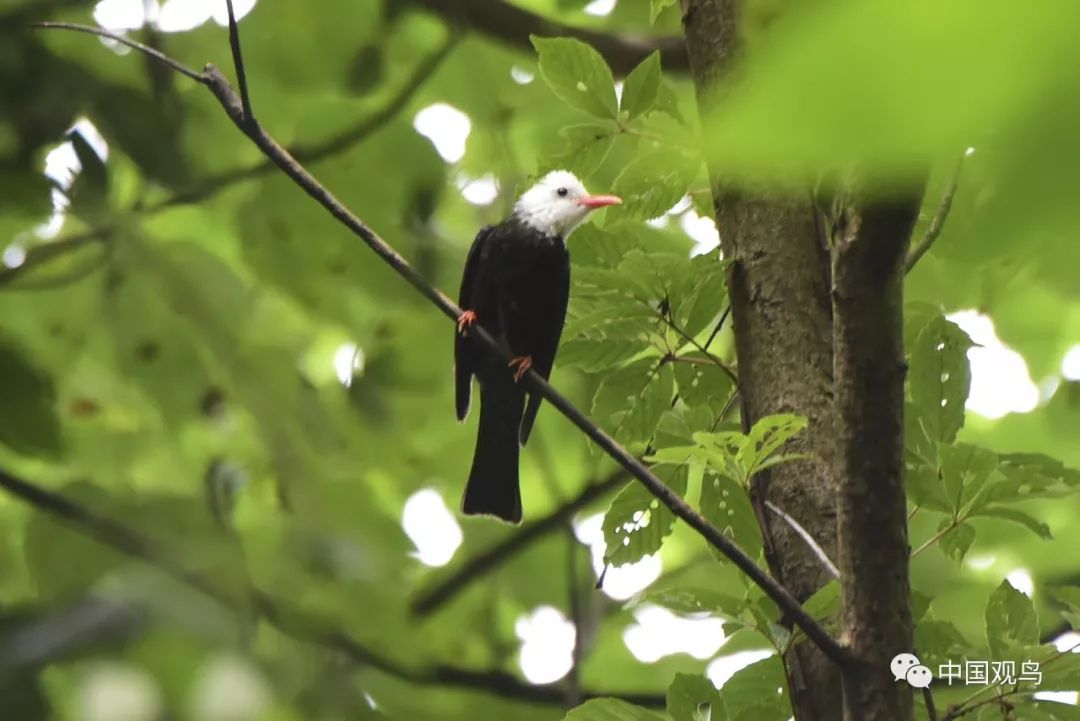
[(516, 286)]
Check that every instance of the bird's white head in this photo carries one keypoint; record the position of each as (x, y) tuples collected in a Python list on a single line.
[(558, 203)]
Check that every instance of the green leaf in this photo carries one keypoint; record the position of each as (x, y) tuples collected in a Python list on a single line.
[(653, 182), (825, 603), (1034, 525), (630, 400), (956, 543), (1070, 597), (1011, 621), (642, 85), (28, 422), (637, 523), (702, 383), (658, 6), (1032, 475), (692, 697), (940, 379), (758, 692), (726, 505), (578, 75), (610, 709), (938, 641), (965, 470), (768, 435), (596, 354), (697, 600), (583, 149), (925, 488)]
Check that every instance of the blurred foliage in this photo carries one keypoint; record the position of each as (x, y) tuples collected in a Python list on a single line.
[(174, 366)]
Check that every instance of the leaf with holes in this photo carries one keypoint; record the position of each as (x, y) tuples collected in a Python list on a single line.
[(1011, 621), (630, 400), (578, 75), (637, 523), (702, 382), (939, 379), (767, 436), (641, 87), (726, 505), (692, 697)]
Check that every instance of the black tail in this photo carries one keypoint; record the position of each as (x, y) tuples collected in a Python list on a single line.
[(493, 481)]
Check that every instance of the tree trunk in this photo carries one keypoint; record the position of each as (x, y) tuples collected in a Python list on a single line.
[(797, 341)]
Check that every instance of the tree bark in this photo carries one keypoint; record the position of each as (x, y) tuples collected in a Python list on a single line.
[(818, 331), (874, 555), (781, 310)]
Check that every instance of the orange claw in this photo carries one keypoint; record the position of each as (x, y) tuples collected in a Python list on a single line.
[(523, 363), (466, 319)]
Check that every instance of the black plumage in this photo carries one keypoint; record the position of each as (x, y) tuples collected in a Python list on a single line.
[(517, 283)]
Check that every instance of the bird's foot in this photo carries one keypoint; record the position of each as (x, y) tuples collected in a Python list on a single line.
[(522, 364), (466, 319)]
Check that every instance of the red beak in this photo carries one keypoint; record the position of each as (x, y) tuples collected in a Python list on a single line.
[(599, 201)]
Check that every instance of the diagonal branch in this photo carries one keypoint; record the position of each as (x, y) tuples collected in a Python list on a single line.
[(292, 622), (213, 79), (513, 25), (439, 594), (215, 183), (936, 223)]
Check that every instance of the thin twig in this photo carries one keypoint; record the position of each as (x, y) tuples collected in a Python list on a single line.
[(432, 599), (213, 184), (807, 538), (577, 616), (133, 44), (294, 622), (238, 63), (928, 699), (212, 78), (719, 324), (666, 318), (936, 223)]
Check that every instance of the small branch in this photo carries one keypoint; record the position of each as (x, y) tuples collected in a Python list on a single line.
[(936, 223), (719, 324), (928, 699), (666, 318), (432, 599), (212, 78), (45, 252), (577, 616), (513, 25), (294, 623), (807, 538), (938, 536), (238, 62), (213, 184)]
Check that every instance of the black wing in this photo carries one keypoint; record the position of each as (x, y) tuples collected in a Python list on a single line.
[(548, 332), (465, 351)]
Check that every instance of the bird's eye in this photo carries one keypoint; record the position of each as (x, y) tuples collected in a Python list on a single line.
[(562, 192)]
